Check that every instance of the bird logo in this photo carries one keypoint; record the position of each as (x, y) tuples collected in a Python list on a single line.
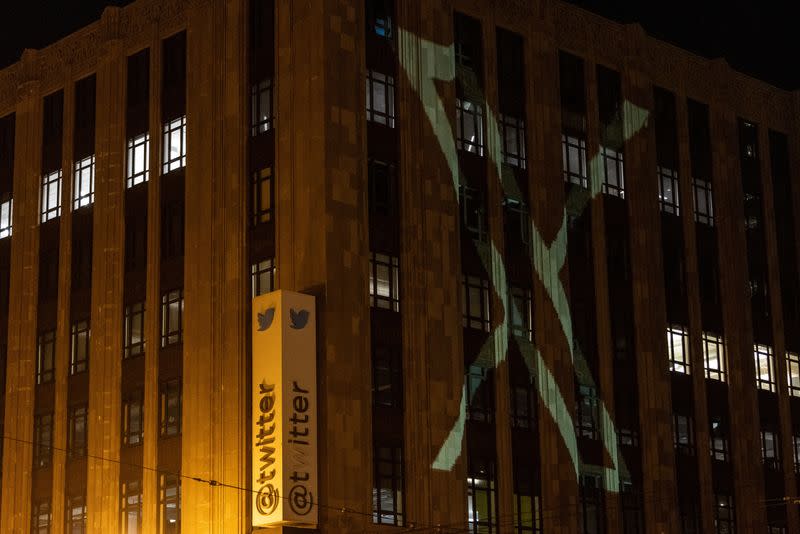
[(298, 319), (265, 318)]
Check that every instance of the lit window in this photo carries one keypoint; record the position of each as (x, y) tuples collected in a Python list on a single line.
[(796, 449), (79, 354), (512, 131), (172, 317), (42, 440), (765, 368), (724, 516), (133, 340), (469, 127), (262, 277), (475, 303), (678, 349), (138, 161), (170, 408), (573, 155), (51, 196), (714, 357), (46, 357), (77, 420), (387, 495), (132, 419), (387, 376), (720, 448), (131, 508), (384, 281), (613, 172), (703, 202), (76, 515), (776, 529), (793, 373), (527, 513), (174, 147), (474, 219), (261, 107), (588, 414), (169, 510), (380, 98), (480, 394), (6, 216), (683, 433), (523, 406), (261, 196), (481, 498), (668, 193), (40, 518), (591, 504), (520, 303), (770, 449), (83, 185)]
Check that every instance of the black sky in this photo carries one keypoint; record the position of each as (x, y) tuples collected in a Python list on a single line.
[(759, 38)]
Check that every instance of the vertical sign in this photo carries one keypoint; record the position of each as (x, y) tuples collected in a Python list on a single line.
[(284, 406)]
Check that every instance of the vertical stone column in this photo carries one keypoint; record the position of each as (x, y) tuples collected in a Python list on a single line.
[(105, 369), (21, 364), (649, 308)]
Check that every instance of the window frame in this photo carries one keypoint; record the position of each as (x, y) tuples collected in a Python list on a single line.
[(687, 421), (587, 412), (132, 436), (6, 216), (50, 192), (170, 139), (77, 441), (261, 96), (45, 373), (170, 391), (135, 174), (521, 320), (764, 357), (513, 128), (169, 483), (171, 336), (475, 286), (389, 265), (262, 277), (770, 449), (262, 186), (480, 394), (574, 145), (76, 522), (83, 183), (374, 81), (793, 373), (720, 372), (703, 201), (79, 355), (679, 357), (470, 114), (42, 440), (131, 497), (391, 456), (41, 510), (612, 158), (669, 200), (481, 487), (134, 312)]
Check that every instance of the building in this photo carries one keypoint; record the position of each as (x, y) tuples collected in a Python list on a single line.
[(554, 261)]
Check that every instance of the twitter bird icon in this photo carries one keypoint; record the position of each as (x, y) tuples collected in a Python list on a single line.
[(265, 319), (298, 319)]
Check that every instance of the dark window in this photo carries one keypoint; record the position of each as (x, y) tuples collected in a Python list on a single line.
[(172, 318), (131, 507), (469, 127), (517, 223), (136, 242), (43, 440), (387, 376), (79, 354), (384, 281), (481, 498), (379, 18), (380, 98), (132, 419), (512, 132), (133, 335), (520, 305), (683, 434), (592, 520), (474, 218), (262, 277), (76, 514), (169, 509), (613, 172), (45, 361), (83, 184), (523, 406), (796, 449), (170, 408), (628, 437), (381, 188), (770, 449), (573, 156), (480, 394), (41, 516), (387, 495), (261, 114), (261, 199), (588, 413), (475, 303), (720, 446), (724, 514), (77, 421), (172, 229), (703, 202), (631, 504)]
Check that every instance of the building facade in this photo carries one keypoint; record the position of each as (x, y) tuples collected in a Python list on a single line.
[(554, 262)]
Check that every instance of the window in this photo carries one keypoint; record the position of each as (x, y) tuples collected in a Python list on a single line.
[(83, 185), (170, 408), (517, 223), (380, 98), (169, 510), (527, 514), (480, 395), (475, 303), (132, 419), (683, 434), (474, 221), (138, 160), (592, 517), (521, 311), (631, 504), (79, 354), (379, 18), (573, 155), (387, 376), (41, 517), (133, 336), (765, 368), (668, 193), (387, 495), (628, 437), (678, 349), (523, 406), (613, 172), (261, 107), (262, 196), (174, 153), (76, 515), (724, 515), (793, 373), (796, 449), (77, 420), (46, 357), (588, 415), (131, 507), (172, 317), (720, 447), (469, 127), (512, 131), (42, 439), (6, 216), (770, 449), (262, 277), (381, 188), (51, 196), (703, 202), (481, 498), (714, 357), (384, 281)]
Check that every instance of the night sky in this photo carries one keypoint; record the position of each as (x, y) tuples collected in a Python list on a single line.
[(759, 38)]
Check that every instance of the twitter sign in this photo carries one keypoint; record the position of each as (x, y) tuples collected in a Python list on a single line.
[(284, 442)]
